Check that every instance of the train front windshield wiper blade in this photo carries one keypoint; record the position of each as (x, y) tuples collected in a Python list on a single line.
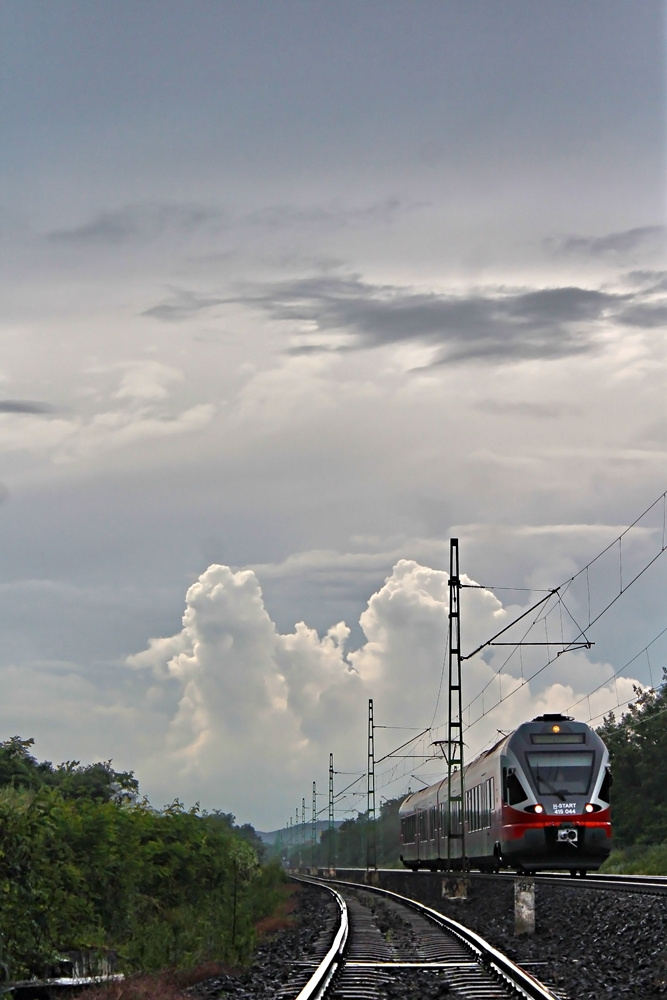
[(549, 786)]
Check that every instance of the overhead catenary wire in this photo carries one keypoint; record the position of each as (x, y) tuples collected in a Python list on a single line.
[(634, 723), (559, 594), (442, 677), (642, 652), (545, 607), (552, 601)]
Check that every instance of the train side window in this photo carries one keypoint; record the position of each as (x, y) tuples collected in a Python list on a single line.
[(513, 791), (470, 809), (408, 825), (455, 816), (605, 789)]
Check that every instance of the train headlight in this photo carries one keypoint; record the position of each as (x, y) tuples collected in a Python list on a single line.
[(589, 807), (539, 808), (555, 729)]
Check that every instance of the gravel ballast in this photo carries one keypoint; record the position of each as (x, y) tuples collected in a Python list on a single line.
[(588, 943), (593, 943)]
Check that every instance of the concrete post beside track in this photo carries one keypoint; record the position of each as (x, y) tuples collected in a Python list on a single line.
[(524, 906)]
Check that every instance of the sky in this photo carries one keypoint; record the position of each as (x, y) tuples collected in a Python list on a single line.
[(293, 294)]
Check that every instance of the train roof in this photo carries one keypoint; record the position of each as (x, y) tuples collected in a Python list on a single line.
[(549, 721)]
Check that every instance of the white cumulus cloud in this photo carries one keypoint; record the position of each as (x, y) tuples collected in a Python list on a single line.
[(258, 711)]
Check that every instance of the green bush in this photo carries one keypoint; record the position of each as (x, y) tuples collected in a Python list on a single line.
[(637, 860), (83, 866)]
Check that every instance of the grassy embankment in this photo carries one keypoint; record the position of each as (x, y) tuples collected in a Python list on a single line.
[(637, 860), (170, 984)]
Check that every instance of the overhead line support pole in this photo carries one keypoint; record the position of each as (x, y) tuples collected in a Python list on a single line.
[(455, 800), (371, 858), (331, 811), (314, 827)]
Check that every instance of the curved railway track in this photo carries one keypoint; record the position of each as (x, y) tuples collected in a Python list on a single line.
[(382, 938)]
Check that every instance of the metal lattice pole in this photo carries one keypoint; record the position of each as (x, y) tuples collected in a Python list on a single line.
[(455, 798), (313, 827), (331, 858), (371, 857)]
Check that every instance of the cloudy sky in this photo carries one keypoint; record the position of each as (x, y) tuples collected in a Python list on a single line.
[(293, 293)]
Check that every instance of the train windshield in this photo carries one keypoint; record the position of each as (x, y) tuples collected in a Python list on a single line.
[(561, 773)]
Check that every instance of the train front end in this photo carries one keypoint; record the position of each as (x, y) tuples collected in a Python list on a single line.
[(556, 811)]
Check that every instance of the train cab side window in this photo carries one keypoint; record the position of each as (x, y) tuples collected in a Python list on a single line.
[(605, 788), (513, 791)]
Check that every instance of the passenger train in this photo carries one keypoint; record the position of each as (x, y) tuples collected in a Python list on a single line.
[(538, 799)]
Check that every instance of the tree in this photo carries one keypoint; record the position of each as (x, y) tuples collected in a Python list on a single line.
[(17, 765), (98, 782), (637, 745)]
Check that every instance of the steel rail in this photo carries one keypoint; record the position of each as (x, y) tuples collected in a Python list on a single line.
[(649, 884), (486, 955), (317, 985), (656, 884)]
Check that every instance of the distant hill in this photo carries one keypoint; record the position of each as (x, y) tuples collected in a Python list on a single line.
[(295, 832)]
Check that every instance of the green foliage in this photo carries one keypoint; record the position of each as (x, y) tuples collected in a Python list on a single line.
[(637, 860), (637, 745), (98, 782), (347, 845), (17, 765), (92, 781), (43, 893), (245, 832), (84, 865)]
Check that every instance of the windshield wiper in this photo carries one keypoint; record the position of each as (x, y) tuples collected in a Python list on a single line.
[(551, 788)]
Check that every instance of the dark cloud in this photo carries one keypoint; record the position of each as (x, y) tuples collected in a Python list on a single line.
[(145, 222), (645, 315), (24, 406), (326, 216), (183, 305), (139, 223), (619, 243), (493, 325), (650, 281), (531, 411), (498, 325)]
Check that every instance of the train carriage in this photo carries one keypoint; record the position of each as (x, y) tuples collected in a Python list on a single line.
[(538, 799)]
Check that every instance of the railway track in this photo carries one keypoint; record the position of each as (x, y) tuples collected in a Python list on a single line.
[(652, 884), (655, 885), (386, 945)]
